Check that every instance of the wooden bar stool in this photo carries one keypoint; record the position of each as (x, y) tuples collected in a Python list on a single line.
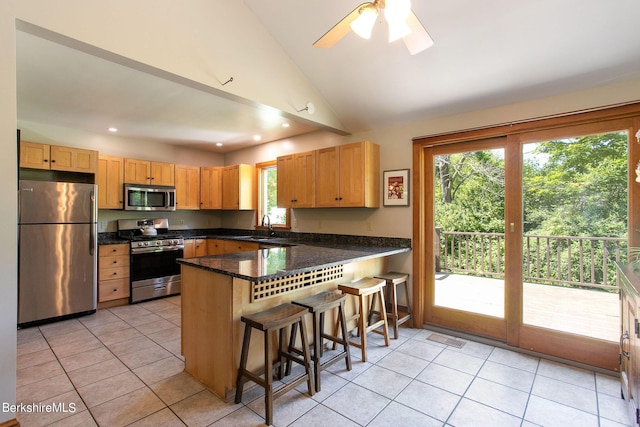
[(394, 279), (269, 321), (317, 305), (361, 289)]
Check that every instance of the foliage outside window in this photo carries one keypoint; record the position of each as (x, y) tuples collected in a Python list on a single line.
[(268, 196), (574, 210)]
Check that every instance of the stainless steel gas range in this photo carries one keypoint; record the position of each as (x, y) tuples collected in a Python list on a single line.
[(154, 271)]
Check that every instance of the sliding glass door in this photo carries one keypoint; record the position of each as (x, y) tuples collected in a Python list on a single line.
[(469, 241), (526, 232)]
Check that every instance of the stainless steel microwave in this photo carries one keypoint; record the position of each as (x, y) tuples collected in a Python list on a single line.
[(149, 198)]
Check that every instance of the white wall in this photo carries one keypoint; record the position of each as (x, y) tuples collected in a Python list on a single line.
[(8, 209), (113, 145), (198, 48)]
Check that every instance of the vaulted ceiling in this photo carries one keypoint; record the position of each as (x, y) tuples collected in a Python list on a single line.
[(486, 54)]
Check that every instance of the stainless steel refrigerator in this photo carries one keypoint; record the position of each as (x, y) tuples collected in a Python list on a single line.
[(57, 261)]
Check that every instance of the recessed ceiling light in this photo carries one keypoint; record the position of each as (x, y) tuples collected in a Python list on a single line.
[(285, 125), (257, 137), (112, 129), (218, 144)]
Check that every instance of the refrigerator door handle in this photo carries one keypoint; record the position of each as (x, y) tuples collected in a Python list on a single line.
[(92, 238)]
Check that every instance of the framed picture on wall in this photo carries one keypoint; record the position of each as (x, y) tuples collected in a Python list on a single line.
[(396, 187)]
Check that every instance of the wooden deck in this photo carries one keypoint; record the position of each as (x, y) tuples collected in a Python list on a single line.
[(592, 313)]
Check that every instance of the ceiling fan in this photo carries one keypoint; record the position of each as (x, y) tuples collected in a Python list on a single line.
[(403, 24)]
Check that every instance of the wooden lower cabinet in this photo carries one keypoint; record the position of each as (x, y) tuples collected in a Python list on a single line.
[(223, 246), (195, 248), (113, 272), (230, 246), (215, 246), (630, 340)]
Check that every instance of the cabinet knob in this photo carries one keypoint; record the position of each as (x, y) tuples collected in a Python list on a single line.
[(53, 161), (115, 262), (46, 160), (115, 273)]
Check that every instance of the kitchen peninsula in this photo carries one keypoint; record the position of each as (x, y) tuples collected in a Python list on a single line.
[(217, 290)]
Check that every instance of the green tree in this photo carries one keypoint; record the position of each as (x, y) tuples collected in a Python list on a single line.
[(470, 191), (581, 188)]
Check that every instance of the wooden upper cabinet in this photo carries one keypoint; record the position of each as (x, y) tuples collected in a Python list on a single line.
[(137, 171), (238, 189), (296, 180), (348, 176), (328, 177), (360, 175), (73, 159), (54, 157), (162, 173), (187, 187), (110, 179), (34, 155), (146, 172), (211, 187)]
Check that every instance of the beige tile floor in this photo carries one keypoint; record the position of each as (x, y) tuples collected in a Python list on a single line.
[(122, 366)]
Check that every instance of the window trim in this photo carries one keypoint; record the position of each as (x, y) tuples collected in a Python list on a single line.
[(259, 167)]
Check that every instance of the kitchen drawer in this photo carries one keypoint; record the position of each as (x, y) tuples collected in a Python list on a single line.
[(113, 289), (113, 261), (120, 249), (235, 246), (214, 247), (113, 273)]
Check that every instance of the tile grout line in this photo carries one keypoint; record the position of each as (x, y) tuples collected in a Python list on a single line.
[(145, 384), (67, 374)]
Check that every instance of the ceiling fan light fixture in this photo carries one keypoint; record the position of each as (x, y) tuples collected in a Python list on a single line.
[(363, 24), (396, 13), (398, 30)]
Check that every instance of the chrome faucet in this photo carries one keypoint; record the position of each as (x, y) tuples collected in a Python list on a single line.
[(271, 232)]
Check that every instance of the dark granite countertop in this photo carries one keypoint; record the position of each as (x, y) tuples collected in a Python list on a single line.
[(285, 254), (274, 262), (282, 238)]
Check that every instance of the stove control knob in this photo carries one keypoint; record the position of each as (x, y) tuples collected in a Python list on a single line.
[(139, 243), (146, 243)]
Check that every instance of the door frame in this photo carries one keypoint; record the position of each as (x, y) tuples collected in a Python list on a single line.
[(580, 349), (475, 323)]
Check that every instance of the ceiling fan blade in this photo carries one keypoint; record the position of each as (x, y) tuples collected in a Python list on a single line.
[(419, 39), (339, 30)]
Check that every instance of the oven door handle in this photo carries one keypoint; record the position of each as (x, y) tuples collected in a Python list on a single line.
[(135, 251)]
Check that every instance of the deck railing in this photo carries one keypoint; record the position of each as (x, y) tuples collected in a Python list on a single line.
[(560, 260)]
